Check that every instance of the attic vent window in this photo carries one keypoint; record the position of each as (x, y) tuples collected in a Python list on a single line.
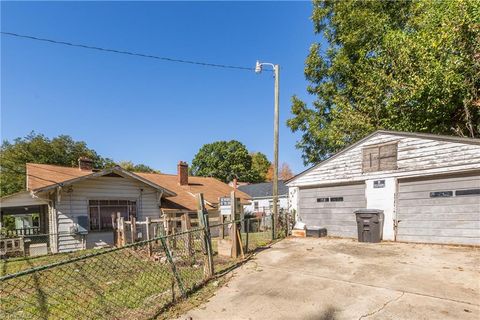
[(379, 157)]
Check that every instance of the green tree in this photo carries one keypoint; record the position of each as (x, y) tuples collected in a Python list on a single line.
[(61, 150), (130, 166), (397, 65), (260, 164), (224, 160)]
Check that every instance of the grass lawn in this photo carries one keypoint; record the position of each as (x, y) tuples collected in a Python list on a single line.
[(120, 284), (14, 265)]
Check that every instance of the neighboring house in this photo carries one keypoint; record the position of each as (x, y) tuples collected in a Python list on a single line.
[(75, 205), (261, 195), (427, 185)]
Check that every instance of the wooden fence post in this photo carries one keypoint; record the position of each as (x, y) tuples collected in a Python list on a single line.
[(222, 227), (202, 214), (118, 235), (123, 238), (147, 223), (133, 230), (186, 225)]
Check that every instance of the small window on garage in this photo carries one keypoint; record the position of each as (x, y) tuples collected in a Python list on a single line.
[(379, 157), (330, 199), (468, 192), (441, 194)]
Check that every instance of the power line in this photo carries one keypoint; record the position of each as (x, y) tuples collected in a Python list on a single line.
[(143, 55)]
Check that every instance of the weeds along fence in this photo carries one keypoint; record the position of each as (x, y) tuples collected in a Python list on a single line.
[(136, 281)]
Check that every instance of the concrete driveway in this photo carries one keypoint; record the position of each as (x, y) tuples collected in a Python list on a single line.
[(343, 279)]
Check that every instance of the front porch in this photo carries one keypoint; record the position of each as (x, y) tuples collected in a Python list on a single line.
[(24, 220), (24, 226)]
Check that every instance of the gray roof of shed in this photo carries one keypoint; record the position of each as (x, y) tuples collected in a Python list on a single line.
[(264, 189)]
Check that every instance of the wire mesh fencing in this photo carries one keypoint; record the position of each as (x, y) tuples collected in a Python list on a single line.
[(137, 281)]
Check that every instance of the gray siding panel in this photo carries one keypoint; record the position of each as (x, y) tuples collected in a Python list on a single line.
[(75, 204), (336, 217), (453, 219)]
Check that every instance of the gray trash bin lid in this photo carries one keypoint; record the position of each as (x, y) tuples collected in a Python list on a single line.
[(371, 211)]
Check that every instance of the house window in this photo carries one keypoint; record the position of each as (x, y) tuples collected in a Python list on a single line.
[(255, 205), (468, 192), (101, 211), (270, 203), (379, 157), (441, 194)]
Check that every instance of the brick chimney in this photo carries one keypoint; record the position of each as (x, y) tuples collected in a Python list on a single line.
[(85, 164), (182, 173)]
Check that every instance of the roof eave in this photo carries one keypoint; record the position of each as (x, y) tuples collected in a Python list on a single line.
[(399, 133), (118, 170)]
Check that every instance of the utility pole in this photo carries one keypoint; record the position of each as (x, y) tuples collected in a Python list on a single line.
[(276, 72), (275, 150)]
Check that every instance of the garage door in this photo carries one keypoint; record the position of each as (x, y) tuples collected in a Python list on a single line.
[(332, 208), (439, 210)]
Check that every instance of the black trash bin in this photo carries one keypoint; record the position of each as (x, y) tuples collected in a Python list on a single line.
[(370, 225)]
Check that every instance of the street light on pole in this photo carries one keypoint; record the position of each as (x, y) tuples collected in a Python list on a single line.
[(258, 69)]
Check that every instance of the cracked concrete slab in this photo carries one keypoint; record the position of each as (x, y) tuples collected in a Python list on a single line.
[(342, 279)]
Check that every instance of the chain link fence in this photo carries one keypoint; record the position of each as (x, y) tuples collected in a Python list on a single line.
[(136, 281)]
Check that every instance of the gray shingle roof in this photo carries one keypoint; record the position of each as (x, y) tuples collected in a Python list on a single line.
[(264, 189)]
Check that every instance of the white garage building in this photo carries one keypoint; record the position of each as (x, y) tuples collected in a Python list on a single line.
[(427, 185)]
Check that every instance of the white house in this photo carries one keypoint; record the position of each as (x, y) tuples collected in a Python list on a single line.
[(74, 206), (261, 195), (427, 185)]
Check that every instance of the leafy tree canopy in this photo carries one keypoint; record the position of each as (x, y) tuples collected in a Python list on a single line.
[(225, 160), (397, 65), (37, 148), (130, 166), (260, 164), (284, 172)]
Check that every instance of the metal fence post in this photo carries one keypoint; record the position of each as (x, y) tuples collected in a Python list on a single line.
[(287, 221), (207, 241), (248, 231), (273, 226), (172, 264)]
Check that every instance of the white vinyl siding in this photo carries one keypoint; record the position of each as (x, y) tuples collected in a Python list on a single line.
[(75, 203), (416, 156)]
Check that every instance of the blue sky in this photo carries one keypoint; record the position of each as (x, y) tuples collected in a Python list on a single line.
[(149, 111)]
